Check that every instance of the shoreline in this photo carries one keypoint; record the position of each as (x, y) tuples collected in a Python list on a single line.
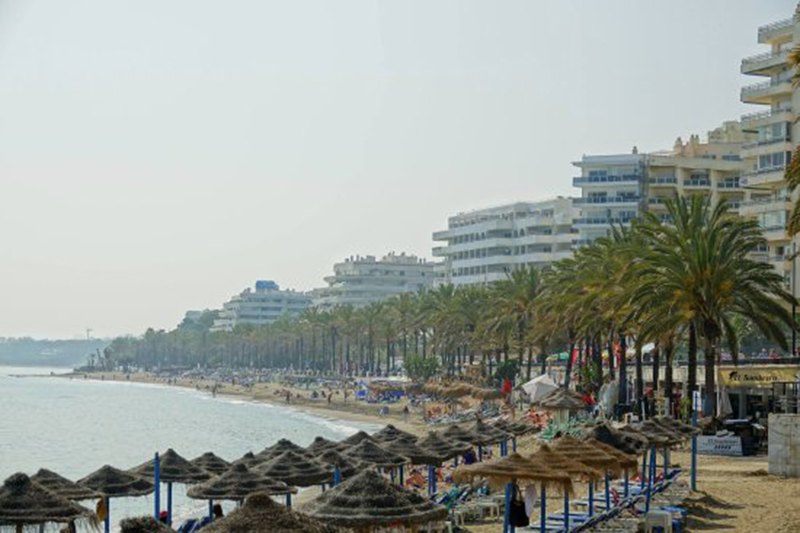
[(267, 393)]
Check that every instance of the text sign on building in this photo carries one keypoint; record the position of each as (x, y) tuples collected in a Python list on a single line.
[(712, 445), (756, 376)]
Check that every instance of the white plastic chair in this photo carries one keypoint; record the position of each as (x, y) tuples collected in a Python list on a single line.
[(662, 519)]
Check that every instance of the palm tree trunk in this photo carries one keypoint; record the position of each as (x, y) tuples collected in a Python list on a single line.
[(610, 349), (568, 370), (710, 407), (669, 351), (530, 363), (692, 363), (623, 370), (656, 367), (639, 377)]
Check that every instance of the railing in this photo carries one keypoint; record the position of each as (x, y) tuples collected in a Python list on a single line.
[(697, 183), (750, 90), (606, 200), (663, 180), (656, 200), (614, 178), (598, 221), (767, 142), (774, 27), (747, 62), (733, 184), (765, 201), (768, 170)]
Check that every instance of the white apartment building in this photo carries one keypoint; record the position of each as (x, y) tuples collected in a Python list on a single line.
[(483, 246), (775, 134), (615, 189), (261, 306), (362, 280)]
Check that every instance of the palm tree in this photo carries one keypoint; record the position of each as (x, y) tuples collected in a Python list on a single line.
[(698, 273)]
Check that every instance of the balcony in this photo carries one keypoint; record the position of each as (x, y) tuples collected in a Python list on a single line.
[(752, 121), (696, 184), (763, 147), (663, 180), (755, 206), (606, 200), (764, 176), (780, 29), (774, 233), (605, 180), (602, 221), (765, 92), (729, 184), (764, 63)]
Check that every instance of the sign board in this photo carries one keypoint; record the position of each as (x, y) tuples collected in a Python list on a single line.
[(762, 376), (712, 445)]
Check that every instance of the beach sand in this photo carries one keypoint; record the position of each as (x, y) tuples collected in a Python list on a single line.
[(734, 493)]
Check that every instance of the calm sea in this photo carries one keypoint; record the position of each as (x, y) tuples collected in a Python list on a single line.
[(74, 426)]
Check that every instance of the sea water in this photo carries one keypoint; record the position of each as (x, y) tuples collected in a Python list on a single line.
[(74, 426)]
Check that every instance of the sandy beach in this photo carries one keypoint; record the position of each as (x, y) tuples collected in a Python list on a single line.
[(734, 493)]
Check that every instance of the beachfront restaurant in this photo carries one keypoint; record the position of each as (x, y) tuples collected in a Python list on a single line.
[(755, 391)]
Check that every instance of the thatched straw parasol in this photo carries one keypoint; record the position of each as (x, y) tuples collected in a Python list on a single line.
[(24, 502), (143, 524), (63, 486), (114, 483), (517, 429), (174, 469), (260, 514), (368, 500), (409, 450), (211, 463), (656, 434), (356, 438), (676, 426), (504, 470), (332, 458), (562, 399), (370, 453), (391, 433), (294, 469), (588, 455), (486, 394), (321, 444), (236, 484), (626, 461), (458, 433), (249, 460), (561, 463), (626, 442), (491, 434), (283, 445), (441, 448)]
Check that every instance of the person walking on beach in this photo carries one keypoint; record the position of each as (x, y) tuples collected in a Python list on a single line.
[(405, 414)]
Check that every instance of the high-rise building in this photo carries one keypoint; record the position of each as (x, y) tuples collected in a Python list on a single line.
[(362, 280), (776, 133), (615, 189), (483, 246), (261, 306)]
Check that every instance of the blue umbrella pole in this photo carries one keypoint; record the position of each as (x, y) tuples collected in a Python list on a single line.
[(514, 444), (566, 510), (480, 453), (402, 481), (288, 499), (644, 469), (591, 498), (169, 503), (694, 453), (666, 462), (507, 508), (157, 483), (608, 493), (211, 509), (627, 485), (543, 511), (108, 516), (650, 483)]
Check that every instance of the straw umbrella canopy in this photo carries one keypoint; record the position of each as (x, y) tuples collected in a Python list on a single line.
[(655, 434), (25, 502), (115, 483), (626, 461), (461, 434), (626, 442), (173, 469), (562, 399), (211, 463), (236, 484), (260, 514), (283, 445), (391, 433), (143, 524), (410, 450), (492, 435), (367, 500), (676, 426), (370, 453), (561, 463), (441, 448), (63, 486), (294, 469), (588, 455), (249, 460), (356, 438), (332, 458), (321, 444), (504, 470), (521, 428)]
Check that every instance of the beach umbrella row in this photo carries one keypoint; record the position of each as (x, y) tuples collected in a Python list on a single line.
[(24, 502)]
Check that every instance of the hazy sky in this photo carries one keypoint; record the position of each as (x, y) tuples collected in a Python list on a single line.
[(158, 156)]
